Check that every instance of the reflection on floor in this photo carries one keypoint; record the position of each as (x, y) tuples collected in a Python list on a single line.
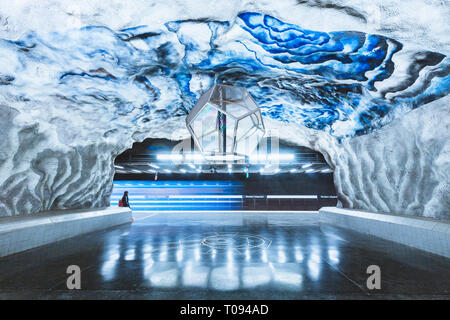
[(224, 256)]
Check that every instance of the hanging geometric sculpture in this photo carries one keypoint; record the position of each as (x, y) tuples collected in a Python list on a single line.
[(226, 120)]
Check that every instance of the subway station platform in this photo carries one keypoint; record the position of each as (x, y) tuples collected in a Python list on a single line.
[(224, 255)]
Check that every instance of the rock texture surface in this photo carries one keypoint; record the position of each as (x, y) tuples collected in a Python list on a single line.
[(79, 83), (402, 168)]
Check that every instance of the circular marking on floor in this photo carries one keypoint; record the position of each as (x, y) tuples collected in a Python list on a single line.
[(236, 241)]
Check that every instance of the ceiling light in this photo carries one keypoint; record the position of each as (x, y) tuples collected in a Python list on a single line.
[(255, 158), (120, 167), (309, 170), (194, 156), (170, 157), (225, 157), (293, 170), (168, 171), (153, 165), (182, 171), (306, 165), (281, 156)]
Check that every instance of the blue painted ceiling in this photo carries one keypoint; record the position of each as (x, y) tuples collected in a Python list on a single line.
[(346, 83)]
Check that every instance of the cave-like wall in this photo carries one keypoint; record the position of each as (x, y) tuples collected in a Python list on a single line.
[(79, 82), (402, 168)]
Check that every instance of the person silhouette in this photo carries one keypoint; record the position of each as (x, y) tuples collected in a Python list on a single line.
[(124, 202)]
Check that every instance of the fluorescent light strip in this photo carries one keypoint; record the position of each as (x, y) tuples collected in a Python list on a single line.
[(228, 157), (176, 205), (130, 197), (194, 156), (178, 196), (292, 197), (172, 157), (265, 157), (175, 201), (231, 211), (190, 201), (281, 156)]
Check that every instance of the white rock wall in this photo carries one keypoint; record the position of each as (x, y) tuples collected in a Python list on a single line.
[(402, 168)]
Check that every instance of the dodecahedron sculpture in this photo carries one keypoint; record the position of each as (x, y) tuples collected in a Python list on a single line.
[(226, 120)]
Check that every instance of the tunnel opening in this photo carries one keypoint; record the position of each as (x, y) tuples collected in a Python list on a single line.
[(157, 179)]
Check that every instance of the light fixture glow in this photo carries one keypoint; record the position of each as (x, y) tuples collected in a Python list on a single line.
[(256, 158), (194, 157), (170, 157), (225, 158), (306, 165), (281, 156)]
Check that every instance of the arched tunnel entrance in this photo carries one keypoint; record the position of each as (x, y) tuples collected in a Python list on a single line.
[(285, 177)]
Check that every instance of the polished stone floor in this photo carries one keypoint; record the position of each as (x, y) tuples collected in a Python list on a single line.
[(224, 256)]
